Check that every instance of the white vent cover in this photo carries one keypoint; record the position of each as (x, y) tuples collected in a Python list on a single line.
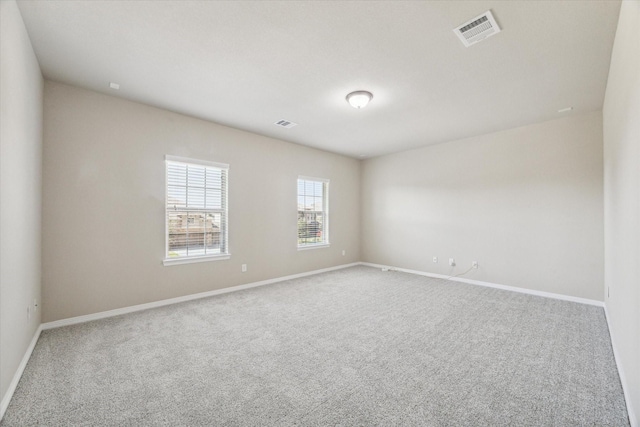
[(477, 29), (285, 124)]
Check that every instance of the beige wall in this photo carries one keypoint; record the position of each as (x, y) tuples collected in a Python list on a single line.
[(621, 118), (525, 203), (20, 190), (103, 204)]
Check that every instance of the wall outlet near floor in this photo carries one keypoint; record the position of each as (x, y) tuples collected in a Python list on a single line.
[(452, 262), (474, 264), (344, 252), (435, 259), (244, 268)]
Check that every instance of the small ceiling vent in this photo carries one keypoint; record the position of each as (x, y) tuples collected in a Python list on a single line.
[(477, 29), (285, 124)]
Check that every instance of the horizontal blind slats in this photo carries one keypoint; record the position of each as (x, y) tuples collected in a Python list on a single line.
[(196, 210), (312, 205)]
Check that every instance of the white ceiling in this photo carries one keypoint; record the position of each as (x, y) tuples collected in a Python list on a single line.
[(249, 64)]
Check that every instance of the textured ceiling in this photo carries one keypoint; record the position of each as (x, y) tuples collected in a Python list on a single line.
[(249, 64)]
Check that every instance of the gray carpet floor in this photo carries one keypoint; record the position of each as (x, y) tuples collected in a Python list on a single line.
[(351, 347)]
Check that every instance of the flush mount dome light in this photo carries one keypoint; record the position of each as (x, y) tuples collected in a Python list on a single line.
[(359, 98)]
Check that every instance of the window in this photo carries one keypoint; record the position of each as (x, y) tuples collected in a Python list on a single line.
[(196, 211), (313, 212)]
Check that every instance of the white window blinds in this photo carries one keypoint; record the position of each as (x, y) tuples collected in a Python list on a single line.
[(196, 208), (313, 212)]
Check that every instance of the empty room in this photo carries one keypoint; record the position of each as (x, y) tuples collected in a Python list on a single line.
[(319, 213)]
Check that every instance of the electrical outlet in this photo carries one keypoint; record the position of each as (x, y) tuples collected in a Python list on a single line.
[(344, 252), (435, 259), (244, 268), (474, 264), (452, 262)]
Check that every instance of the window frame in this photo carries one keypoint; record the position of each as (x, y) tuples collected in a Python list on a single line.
[(167, 261), (325, 213)]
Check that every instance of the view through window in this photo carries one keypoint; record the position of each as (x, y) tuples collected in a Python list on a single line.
[(196, 208), (313, 221)]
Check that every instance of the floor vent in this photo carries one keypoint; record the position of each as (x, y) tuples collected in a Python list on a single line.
[(477, 29), (285, 124)]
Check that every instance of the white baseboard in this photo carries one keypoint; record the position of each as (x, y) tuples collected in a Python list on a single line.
[(16, 377), (632, 417), (492, 285), (161, 303), (110, 313), (623, 379)]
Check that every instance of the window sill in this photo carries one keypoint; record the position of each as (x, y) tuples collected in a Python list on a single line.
[(190, 260), (316, 246)]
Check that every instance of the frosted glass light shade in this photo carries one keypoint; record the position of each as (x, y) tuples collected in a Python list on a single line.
[(359, 98)]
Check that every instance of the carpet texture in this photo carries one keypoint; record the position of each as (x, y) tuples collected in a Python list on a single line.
[(351, 347)]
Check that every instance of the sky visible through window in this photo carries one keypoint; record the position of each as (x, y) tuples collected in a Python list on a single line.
[(310, 194), (312, 226), (196, 211)]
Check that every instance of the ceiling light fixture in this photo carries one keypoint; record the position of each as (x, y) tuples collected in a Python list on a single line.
[(359, 98)]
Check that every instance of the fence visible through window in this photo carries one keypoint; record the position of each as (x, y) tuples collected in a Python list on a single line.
[(313, 224), (196, 209)]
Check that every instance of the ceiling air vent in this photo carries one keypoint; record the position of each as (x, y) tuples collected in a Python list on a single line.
[(285, 124), (477, 29)]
